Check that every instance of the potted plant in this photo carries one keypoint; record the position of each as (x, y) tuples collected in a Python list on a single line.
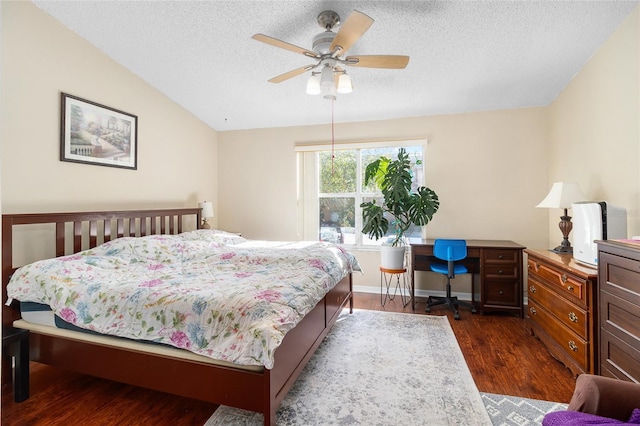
[(407, 208)]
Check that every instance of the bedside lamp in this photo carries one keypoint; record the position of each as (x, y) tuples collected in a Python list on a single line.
[(207, 211), (561, 196)]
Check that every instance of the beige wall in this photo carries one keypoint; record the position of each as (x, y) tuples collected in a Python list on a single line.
[(489, 170), (177, 153), (595, 127)]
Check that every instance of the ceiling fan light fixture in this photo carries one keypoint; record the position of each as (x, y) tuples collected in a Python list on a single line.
[(326, 77), (313, 85), (344, 83), (329, 92), (327, 83)]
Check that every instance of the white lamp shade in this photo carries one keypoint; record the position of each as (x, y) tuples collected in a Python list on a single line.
[(313, 85), (344, 84), (207, 208), (562, 195)]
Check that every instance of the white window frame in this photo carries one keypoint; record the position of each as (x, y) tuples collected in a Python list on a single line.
[(308, 185)]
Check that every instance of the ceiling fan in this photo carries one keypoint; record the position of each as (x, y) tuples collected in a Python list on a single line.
[(328, 50)]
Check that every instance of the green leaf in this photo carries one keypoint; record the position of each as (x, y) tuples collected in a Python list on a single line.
[(394, 179)]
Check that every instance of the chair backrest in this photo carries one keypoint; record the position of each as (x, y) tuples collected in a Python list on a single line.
[(450, 250)]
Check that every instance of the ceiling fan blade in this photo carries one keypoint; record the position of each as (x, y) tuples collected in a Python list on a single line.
[(293, 73), (378, 61), (284, 45), (353, 28)]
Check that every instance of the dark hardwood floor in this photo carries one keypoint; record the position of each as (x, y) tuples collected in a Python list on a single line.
[(501, 354)]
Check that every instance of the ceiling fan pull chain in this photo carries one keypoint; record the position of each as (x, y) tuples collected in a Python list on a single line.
[(333, 141)]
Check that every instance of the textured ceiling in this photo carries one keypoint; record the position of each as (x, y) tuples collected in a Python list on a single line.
[(465, 55)]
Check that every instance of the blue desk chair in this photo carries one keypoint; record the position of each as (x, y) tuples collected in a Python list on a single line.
[(450, 251)]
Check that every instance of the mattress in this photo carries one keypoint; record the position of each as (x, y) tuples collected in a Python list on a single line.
[(37, 313)]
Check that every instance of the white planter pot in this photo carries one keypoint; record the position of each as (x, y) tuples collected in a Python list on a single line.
[(392, 257)]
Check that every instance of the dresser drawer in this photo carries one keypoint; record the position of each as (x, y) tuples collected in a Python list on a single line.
[(502, 255), (566, 284), (621, 360), (576, 347), (502, 293), (621, 318), (622, 277), (571, 315)]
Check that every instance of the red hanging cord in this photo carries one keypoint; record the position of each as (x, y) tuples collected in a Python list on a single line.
[(333, 156)]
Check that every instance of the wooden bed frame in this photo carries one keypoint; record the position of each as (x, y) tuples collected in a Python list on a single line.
[(260, 391)]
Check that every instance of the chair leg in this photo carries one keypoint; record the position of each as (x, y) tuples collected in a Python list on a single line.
[(451, 301)]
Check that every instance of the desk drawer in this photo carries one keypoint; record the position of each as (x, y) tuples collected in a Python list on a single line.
[(507, 270), (502, 293), (502, 255)]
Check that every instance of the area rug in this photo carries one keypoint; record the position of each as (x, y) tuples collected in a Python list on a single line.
[(379, 368), (507, 410)]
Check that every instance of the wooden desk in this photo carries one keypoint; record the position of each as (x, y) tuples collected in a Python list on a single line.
[(498, 263)]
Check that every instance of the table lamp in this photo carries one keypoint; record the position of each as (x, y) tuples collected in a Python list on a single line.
[(207, 211), (561, 196)]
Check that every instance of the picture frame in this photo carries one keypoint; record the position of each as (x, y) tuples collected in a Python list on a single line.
[(92, 133)]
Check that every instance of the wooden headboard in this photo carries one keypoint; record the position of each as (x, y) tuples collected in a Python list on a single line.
[(79, 231)]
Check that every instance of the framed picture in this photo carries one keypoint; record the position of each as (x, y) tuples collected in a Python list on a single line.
[(91, 133)]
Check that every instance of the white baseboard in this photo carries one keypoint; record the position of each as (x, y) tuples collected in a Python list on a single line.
[(419, 293)]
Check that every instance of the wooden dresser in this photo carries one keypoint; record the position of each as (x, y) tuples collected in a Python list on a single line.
[(619, 312), (562, 308)]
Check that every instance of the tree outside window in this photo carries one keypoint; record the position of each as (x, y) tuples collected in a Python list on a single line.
[(340, 192)]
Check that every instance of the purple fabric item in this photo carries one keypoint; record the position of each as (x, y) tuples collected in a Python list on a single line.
[(635, 417), (574, 418)]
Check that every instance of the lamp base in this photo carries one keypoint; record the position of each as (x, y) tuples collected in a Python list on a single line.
[(205, 224), (565, 226), (563, 250)]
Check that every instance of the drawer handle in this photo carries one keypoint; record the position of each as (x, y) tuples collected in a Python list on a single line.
[(532, 289), (573, 346), (564, 278), (501, 292), (500, 272), (500, 256), (573, 317), (570, 287), (533, 310)]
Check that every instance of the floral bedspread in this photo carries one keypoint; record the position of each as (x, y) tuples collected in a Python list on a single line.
[(210, 292)]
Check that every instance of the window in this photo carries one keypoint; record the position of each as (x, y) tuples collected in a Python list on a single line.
[(332, 191)]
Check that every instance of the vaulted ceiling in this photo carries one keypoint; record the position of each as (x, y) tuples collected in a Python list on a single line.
[(465, 55)]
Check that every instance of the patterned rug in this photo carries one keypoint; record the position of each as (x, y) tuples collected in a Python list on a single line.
[(379, 368), (507, 410)]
